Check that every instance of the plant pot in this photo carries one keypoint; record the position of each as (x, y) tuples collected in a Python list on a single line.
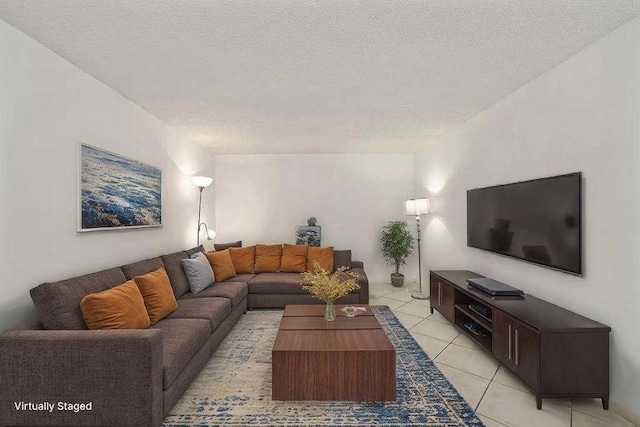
[(329, 312), (397, 279)]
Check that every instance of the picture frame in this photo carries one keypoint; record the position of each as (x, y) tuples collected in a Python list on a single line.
[(116, 192), (310, 235)]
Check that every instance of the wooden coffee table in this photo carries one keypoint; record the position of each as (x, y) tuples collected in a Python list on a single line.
[(350, 359)]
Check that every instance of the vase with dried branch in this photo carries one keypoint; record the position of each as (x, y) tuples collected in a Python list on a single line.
[(328, 286)]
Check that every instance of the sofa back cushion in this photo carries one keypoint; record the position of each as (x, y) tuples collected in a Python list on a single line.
[(324, 257), (244, 259), (223, 246), (221, 264), (121, 307), (58, 303), (341, 258), (194, 250), (268, 258), (157, 293), (142, 267), (199, 272), (175, 271), (294, 258)]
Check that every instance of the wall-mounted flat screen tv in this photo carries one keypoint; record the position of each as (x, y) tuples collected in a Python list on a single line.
[(539, 221)]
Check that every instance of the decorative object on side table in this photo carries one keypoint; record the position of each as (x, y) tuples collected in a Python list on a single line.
[(203, 182), (397, 246), (351, 311), (308, 235), (328, 286), (312, 221), (417, 207), (117, 192)]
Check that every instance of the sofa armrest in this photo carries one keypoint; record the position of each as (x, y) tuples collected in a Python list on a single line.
[(363, 281), (117, 372)]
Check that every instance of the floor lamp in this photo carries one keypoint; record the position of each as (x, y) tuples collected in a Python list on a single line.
[(202, 182), (417, 207)]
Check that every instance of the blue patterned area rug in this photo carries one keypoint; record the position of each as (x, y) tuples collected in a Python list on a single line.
[(234, 388)]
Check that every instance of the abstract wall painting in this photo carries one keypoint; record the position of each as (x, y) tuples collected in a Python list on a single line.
[(309, 235), (117, 192)]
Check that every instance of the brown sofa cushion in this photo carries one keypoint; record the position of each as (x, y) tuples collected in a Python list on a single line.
[(142, 267), (324, 256), (234, 291), (341, 258), (175, 271), (181, 340), (121, 307), (268, 258), (294, 258), (277, 283), (223, 246), (221, 264), (58, 303), (157, 294), (245, 278), (215, 310), (194, 250), (244, 259)]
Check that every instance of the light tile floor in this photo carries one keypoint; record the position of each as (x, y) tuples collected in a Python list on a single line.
[(499, 398)]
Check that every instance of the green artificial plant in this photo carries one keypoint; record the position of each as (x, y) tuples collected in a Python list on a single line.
[(397, 243)]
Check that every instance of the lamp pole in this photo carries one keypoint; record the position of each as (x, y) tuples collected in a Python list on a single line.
[(417, 207), (202, 182), (199, 211), (418, 294)]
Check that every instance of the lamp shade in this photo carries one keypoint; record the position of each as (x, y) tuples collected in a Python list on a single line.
[(201, 181), (211, 234), (415, 207)]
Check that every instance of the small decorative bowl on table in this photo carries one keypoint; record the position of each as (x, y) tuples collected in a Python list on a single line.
[(351, 311)]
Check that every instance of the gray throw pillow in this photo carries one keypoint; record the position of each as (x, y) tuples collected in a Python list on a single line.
[(198, 271)]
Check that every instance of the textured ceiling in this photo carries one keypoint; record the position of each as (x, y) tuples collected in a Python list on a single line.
[(316, 76)]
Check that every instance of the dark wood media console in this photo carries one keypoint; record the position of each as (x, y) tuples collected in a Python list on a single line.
[(556, 352)]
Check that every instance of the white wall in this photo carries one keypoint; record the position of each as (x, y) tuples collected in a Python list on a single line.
[(48, 106), (584, 115), (261, 198)]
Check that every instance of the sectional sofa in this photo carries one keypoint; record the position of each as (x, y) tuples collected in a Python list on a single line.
[(130, 377)]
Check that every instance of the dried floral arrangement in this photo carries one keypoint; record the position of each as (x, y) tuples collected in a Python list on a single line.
[(329, 286)]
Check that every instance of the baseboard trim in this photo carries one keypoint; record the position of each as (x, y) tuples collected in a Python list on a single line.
[(625, 413)]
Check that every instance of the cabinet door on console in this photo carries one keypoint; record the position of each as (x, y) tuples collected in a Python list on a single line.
[(502, 336), (442, 297), (434, 292), (516, 346), (447, 302)]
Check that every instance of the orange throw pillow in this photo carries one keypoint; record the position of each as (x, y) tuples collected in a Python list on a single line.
[(294, 258), (244, 259), (120, 307), (157, 293), (324, 256), (268, 258), (221, 264)]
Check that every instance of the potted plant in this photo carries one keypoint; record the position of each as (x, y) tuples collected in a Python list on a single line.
[(328, 286), (397, 246)]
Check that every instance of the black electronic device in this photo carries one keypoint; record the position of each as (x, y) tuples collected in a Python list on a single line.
[(493, 287), (475, 329), (481, 310), (539, 221)]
